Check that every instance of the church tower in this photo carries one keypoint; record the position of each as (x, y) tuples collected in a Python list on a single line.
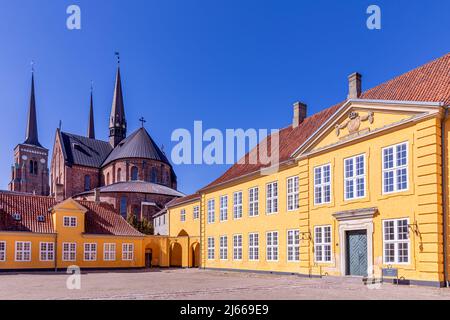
[(117, 122), (29, 173)]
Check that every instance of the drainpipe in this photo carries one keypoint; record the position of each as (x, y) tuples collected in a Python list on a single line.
[(444, 194)]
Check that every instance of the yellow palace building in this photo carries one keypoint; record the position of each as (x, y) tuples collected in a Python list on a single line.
[(362, 186)]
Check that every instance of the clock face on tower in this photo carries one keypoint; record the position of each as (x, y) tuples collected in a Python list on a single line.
[(43, 161), (24, 157)]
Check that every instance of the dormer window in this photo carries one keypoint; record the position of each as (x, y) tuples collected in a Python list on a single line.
[(41, 218), (17, 216), (70, 222)]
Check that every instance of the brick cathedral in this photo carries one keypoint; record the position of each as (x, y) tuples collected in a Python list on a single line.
[(129, 171)]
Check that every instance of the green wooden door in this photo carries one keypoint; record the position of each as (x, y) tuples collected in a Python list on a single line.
[(357, 253)]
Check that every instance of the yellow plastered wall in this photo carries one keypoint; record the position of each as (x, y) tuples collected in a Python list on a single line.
[(189, 227)]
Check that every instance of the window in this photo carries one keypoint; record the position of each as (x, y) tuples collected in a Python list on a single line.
[(211, 248), (322, 184), (87, 183), (292, 194), (322, 246), (396, 241), (272, 197), (70, 222), (196, 212), (253, 202), (211, 213), (223, 248), (109, 251), (253, 246), (108, 179), (395, 168), (123, 207), (272, 246), (223, 212), (355, 177), (127, 251), (33, 167), (90, 251), (183, 215), (134, 174), (69, 251), (237, 247), (2, 250), (293, 245), (153, 175), (23, 251), (119, 175), (237, 205), (46, 251)]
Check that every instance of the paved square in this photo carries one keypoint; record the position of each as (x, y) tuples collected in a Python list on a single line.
[(201, 285)]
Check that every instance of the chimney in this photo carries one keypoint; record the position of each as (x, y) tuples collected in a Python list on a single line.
[(59, 192), (96, 195), (354, 85), (299, 114)]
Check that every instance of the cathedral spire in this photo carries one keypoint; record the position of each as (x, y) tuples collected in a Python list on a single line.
[(117, 122), (91, 129), (32, 132)]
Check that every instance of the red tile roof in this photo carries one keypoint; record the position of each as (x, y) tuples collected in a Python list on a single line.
[(100, 218), (430, 83)]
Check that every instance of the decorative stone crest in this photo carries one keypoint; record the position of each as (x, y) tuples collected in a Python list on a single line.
[(354, 122)]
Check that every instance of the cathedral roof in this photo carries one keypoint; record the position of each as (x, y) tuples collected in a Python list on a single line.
[(138, 145), (83, 151), (137, 187)]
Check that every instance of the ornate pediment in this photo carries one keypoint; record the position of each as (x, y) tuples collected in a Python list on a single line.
[(353, 123)]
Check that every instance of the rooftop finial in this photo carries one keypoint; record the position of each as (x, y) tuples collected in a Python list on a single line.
[(32, 66), (143, 121), (118, 57)]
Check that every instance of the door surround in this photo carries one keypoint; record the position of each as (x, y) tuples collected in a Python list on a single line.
[(353, 220)]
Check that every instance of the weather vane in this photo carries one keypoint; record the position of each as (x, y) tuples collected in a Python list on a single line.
[(142, 120)]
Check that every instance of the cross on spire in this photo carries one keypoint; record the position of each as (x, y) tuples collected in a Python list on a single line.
[(143, 121)]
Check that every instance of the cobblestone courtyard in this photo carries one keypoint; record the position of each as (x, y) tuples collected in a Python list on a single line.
[(201, 285)]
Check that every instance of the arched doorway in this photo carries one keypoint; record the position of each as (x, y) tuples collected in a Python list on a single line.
[(148, 258), (195, 253), (176, 255)]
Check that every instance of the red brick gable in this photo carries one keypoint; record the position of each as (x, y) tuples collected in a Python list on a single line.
[(428, 83)]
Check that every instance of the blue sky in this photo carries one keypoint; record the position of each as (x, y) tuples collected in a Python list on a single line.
[(229, 63)]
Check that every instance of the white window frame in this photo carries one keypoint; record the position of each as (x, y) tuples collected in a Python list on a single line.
[(355, 177), (271, 247), (127, 251), (223, 210), (237, 247), (23, 253), (253, 246), (322, 186), (272, 199), (293, 245), (183, 215), (395, 168), (211, 204), (223, 248), (396, 242), (90, 251), (237, 205), (323, 244), (211, 248), (253, 202), (71, 222), (2, 251), (109, 252), (292, 193), (46, 253), (69, 252), (196, 212)]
